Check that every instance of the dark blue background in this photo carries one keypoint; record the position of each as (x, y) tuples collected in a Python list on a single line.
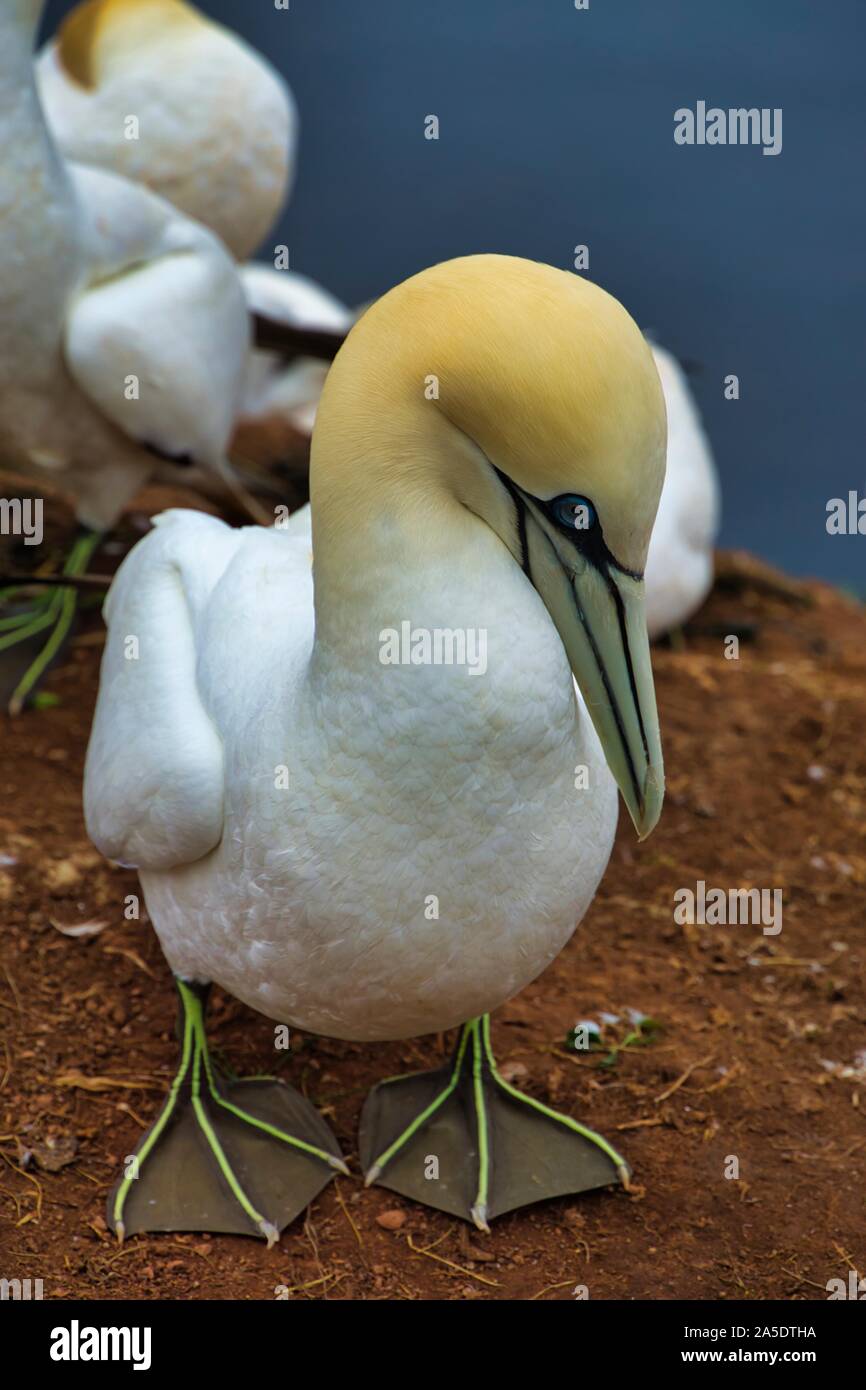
[(557, 128)]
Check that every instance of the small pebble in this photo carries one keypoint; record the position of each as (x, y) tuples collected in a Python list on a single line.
[(391, 1220)]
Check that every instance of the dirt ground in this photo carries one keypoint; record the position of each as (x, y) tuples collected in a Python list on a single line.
[(760, 1053)]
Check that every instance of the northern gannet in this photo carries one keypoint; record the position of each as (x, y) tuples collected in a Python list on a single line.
[(372, 845), (214, 124), (679, 569), (124, 332)]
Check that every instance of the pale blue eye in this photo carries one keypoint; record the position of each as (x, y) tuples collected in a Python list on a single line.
[(574, 513)]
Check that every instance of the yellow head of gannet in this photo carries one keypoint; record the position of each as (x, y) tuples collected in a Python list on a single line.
[(529, 397), (214, 124), (98, 33)]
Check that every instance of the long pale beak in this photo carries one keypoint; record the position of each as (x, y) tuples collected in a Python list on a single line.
[(599, 614)]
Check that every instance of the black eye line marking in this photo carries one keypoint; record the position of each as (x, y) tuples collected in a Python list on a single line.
[(520, 510), (589, 541)]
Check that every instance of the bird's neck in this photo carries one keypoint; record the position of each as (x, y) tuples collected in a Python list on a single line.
[(387, 516), (425, 623), (424, 619)]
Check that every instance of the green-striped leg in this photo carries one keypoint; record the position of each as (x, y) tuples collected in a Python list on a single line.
[(52, 613), (465, 1140), (211, 1164)]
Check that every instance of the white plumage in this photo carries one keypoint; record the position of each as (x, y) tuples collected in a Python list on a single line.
[(403, 782)]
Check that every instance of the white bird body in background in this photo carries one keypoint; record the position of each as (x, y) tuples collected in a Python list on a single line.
[(216, 136), (215, 124), (371, 848), (679, 569), (123, 324), (124, 332)]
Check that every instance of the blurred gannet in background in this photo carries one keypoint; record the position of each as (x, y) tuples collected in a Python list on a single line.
[(216, 123), (296, 798), (679, 569), (227, 160), (124, 333)]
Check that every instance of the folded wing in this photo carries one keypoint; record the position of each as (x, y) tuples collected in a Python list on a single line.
[(153, 787)]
